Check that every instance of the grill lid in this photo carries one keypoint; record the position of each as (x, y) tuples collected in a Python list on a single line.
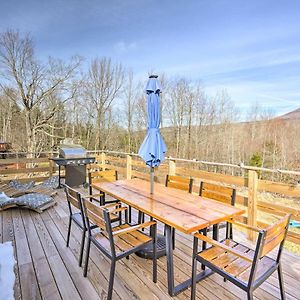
[(71, 151)]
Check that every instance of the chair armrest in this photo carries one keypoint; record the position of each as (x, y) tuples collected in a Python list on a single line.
[(243, 225), (92, 196), (114, 205), (118, 210), (133, 228), (223, 246)]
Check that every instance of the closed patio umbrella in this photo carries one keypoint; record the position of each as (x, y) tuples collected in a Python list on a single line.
[(153, 148)]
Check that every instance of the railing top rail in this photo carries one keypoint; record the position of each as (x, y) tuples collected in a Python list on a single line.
[(194, 161), (239, 166)]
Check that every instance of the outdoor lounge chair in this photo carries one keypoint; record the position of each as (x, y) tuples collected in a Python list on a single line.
[(237, 263), (15, 188), (74, 199), (118, 242)]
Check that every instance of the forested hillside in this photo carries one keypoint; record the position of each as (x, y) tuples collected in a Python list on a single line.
[(104, 107)]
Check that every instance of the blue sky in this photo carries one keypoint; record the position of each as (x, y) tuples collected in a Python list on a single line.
[(250, 48)]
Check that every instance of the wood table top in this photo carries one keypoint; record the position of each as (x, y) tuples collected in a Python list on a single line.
[(179, 209)]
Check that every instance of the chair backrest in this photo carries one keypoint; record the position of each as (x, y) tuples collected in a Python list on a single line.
[(73, 198), (103, 176), (99, 216), (217, 192), (179, 182), (275, 235), (269, 239)]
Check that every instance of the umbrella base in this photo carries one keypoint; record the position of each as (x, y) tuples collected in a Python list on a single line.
[(147, 251)]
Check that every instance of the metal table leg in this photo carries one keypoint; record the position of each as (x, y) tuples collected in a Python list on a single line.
[(172, 289)]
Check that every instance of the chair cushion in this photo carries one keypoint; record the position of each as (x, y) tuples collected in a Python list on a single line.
[(21, 186), (34, 201), (51, 182), (234, 265)]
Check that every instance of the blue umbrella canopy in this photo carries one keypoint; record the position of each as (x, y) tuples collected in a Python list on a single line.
[(153, 148)]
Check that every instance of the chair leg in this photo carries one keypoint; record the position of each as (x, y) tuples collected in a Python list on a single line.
[(69, 231), (87, 256), (281, 285), (140, 217), (230, 231), (111, 279), (120, 218), (250, 295), (143, 220), (82, 247), (204, 232), (129, 212), (126, 217), (227, 231), (102, 199)]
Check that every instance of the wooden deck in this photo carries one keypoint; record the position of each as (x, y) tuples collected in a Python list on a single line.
[(47, 269)]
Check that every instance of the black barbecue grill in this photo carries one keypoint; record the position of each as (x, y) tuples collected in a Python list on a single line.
[(74, 159)]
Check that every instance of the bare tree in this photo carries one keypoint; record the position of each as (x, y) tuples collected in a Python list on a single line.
[(130, 106), (103, 86), (35, 83)]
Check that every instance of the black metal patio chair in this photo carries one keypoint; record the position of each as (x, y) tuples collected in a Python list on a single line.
[(244, 267), (118, 242), (76, 215), (222, 194), (96, 176)]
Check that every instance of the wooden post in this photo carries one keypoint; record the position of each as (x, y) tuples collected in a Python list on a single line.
[(172, 167), (103, 157), (128, 167), (51, 167), (252, 202)]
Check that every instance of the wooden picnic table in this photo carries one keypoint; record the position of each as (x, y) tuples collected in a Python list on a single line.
[(175, 208)]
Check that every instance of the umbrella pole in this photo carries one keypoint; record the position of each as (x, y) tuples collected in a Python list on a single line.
[(151, 180)]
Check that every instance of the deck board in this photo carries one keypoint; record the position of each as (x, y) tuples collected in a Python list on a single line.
[(8, 235), (28, 280), (63, 279), (44, 274), (47, 269)]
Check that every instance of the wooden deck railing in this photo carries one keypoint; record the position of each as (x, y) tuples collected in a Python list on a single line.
[(26, 169), (129, 165), (249, 186)]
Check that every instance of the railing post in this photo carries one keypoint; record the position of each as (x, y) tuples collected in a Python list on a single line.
[(172, 167), (51, 166), (128, 167), (102, 157), (252, 202)]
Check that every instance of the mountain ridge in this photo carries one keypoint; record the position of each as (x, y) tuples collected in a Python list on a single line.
[(292, 115)]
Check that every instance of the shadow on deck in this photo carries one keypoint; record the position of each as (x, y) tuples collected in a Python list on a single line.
[(47, 269)]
